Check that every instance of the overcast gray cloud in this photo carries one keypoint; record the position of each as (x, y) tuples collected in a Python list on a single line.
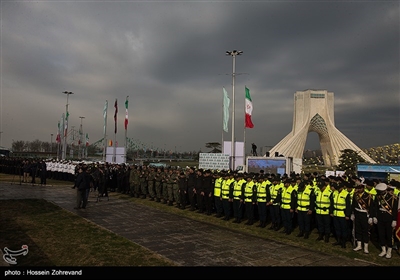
[(169, 58)]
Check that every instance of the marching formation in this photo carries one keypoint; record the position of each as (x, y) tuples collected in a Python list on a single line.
[(348, 209), (345, 208)]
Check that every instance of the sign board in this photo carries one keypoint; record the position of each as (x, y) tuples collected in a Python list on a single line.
[(239, 152), (119, 155), (214, 161), (276, 165), (378, 168)]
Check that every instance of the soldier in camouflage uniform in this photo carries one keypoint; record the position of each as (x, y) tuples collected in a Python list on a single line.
[(158, 184), (120, 178), (164, 181), (171, 178), (132, 181), (143, 181), (175, 188), (151, 177)]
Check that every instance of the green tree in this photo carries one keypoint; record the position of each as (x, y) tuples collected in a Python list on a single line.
[(348, 161)]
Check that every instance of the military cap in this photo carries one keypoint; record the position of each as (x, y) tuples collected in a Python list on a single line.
[(381, 187)]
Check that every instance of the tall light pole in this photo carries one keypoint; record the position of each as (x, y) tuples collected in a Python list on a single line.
[(64, 154), (0, 137), (233, 53), (80, 138), (51, 142)]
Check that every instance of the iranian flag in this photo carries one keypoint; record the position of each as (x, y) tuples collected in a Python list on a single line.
[(87, 140), (126, 113), (58, 138), (248, 104)]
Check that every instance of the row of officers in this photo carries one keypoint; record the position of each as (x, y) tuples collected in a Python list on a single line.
[(348, 208)]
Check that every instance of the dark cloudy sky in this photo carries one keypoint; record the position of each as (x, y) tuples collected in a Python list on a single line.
[(169, 58)]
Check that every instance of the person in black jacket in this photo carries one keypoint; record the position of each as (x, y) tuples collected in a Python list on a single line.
[(183, 188), (82, 184), (198, 187), (191, 177), (34, 169), (43, 172), (206, 191)]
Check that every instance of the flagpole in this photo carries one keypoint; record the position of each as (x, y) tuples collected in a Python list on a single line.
[(105, 130), (244, 136), (233, 53), (244, 146), (126, 124), (223, 119), (115, 132)]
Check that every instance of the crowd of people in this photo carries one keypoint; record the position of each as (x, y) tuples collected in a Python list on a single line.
[(346, 208)]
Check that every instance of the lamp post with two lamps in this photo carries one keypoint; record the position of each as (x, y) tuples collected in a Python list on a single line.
[(233, 53)]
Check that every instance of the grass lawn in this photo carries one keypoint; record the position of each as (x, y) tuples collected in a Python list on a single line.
[(57, 237)]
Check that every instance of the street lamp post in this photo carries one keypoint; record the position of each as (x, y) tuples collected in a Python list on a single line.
[(233, 53), (64, 154), (81, 138)]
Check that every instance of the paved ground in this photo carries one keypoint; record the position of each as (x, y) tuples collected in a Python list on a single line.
[(186, 242)]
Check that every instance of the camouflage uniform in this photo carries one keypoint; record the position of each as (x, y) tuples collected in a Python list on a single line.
[(143, 181), (175, 188), (136, 182), (158, 184), (165, 175), (150, 183), (170, 181)]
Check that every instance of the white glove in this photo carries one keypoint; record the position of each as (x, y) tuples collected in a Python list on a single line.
[(375, 220), (394, 224), (352, 217), (370, 221)]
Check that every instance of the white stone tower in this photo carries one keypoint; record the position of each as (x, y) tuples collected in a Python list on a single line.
[(314, 112)]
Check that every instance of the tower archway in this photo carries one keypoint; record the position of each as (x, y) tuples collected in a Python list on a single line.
[(314, 112)]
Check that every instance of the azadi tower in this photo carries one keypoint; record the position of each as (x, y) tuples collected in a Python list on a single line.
[(314, 112)]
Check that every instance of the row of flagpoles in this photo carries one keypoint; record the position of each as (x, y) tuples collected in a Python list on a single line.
[(63, 124), (63, 128)]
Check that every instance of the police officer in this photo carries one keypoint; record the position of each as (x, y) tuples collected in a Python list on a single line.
[(250, 197), (217, 194), (288, 202), (275, 189), (323, 193), (262, 198), (237, 196), (341, 211), (305, 208)]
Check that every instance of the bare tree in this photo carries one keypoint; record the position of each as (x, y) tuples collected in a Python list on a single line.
[(215, 146)]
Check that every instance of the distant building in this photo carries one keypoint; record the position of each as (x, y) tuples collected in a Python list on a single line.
[(4, 151), (314, 112)]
